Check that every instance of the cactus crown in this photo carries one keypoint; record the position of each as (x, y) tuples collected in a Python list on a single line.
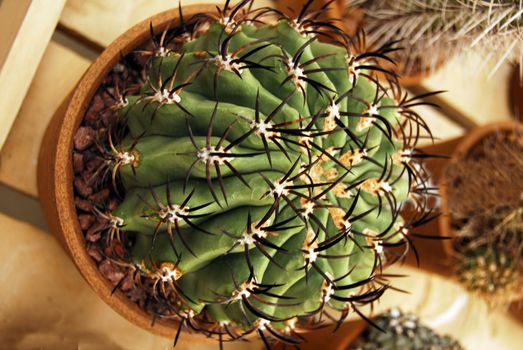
[(262, 173), (403, 331)]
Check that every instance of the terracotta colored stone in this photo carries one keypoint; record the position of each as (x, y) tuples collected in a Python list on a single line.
[(84, 138)]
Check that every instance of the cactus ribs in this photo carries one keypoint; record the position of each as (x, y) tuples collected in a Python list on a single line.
[(244, 177)]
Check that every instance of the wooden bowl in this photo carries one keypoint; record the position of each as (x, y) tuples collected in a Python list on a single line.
[(461, 151), (438, 256), (55, 170)]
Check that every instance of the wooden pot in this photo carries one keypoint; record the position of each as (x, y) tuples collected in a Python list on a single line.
[(55, 170), (438, 256), (461, 151)]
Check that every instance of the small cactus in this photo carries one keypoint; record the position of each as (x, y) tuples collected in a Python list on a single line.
[(403, 331), (486, 216), (489, 252), (262, 173)]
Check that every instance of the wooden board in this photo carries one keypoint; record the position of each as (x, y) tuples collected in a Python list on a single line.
[(471, 88), (441, 127), (101, 21), (52, 83), (26, 27)]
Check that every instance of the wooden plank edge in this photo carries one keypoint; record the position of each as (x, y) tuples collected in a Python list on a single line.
[(446, 108), (21, 63), (79, 37)]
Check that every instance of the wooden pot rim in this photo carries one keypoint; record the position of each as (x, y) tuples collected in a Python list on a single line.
[(58, 158), (470, 140)]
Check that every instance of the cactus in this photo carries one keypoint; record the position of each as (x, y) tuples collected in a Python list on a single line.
[(487, 217), (262, 172), (434, 30), (489, 253), (403, 331)]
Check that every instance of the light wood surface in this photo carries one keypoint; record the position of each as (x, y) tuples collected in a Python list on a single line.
[(27, 26), (473, 88), (58, 73), (12, 14)]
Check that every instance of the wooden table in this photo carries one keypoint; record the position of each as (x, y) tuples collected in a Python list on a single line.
[(45, 302)]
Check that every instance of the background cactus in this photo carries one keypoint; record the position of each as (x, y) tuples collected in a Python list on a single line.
[(490, 255), (262, 173), (403, 331), (434, 30), (487, 217)]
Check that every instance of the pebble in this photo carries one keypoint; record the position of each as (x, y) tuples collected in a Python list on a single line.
[(94, 164), (83, 204), (82, 188), (97, 104), (94, 252), (100, 197), (84, 138), (95, 232), (78, 162), (86, 221), (93, 235), (111, 271)]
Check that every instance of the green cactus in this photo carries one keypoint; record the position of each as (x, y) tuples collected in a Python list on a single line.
[(403, 331), (489, 253), (262, 173)]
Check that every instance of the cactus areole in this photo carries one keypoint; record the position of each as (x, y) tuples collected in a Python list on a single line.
[(262, 170)]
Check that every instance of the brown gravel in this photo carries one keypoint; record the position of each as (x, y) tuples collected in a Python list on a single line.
[(78, 162), (93, 190), (82, 187), (94, 252), (83, 205), (489, 176), (100, 198), (94, 233), (86, 221), (84, 138), (111, 271), (97, 105)]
